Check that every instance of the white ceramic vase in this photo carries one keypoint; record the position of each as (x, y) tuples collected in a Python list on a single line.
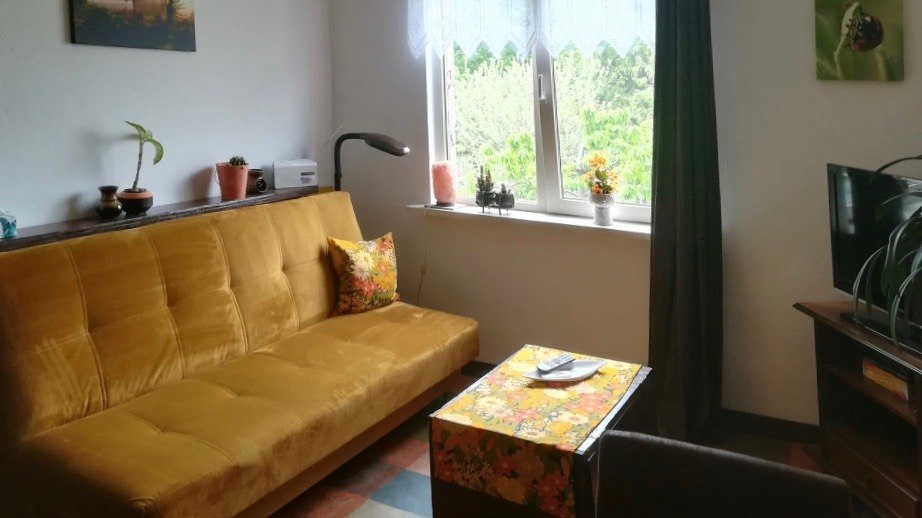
[(602, 204)]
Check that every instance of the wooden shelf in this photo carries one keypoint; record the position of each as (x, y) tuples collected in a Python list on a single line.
[(44, 234), (882, 448), (882, 396), (871, 437)]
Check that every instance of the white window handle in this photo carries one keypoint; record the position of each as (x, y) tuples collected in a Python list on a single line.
[(542, 93)]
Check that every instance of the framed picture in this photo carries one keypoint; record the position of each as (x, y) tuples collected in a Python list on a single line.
[(143, 24), (859, 40)]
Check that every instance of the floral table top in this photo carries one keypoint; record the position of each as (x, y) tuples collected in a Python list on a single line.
[(514, 438), (558, 414)]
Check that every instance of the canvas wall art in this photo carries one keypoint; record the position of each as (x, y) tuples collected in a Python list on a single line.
[(859, 40), (143, 24)]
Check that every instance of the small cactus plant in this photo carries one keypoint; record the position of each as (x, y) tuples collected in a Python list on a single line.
[(238, 161)]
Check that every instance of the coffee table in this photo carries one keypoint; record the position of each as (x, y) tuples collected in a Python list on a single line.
[(510, 446)]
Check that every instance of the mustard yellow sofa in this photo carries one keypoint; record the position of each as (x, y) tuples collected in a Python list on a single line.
[(191, 368)]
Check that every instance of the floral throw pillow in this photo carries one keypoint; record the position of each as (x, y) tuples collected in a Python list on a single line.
[(367, 272)]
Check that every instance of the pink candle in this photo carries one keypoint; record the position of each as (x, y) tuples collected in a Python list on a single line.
[(443, 183)]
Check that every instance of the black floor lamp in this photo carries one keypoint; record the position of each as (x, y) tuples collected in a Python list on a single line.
[(387, 144)]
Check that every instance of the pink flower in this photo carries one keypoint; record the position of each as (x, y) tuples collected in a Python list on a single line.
[(525, 414), (366, 286), (589, 403), (385, 245), (503, 464), (546, 488), (552, 484), (443, 465)]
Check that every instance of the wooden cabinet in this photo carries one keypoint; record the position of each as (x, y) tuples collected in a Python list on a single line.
[(871, 437)]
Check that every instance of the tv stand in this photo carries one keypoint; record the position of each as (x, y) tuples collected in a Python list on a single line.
[(871, 437), (879, 325)]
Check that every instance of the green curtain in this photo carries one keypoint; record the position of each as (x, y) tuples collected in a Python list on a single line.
[(686, 292)]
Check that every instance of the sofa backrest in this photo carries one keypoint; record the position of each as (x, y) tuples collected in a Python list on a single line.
[(89, 323)]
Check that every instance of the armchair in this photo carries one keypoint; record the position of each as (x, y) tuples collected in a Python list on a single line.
[(642, 475)]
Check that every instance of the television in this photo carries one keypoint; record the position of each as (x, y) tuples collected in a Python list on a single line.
[(858, 229)]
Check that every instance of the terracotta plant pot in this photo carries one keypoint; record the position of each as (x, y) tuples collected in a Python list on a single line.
[(136, 203), (233, 181)]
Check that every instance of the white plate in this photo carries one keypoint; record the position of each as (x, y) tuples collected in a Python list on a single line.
[(576, 371)]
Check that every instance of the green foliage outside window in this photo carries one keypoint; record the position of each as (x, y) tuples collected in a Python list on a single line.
[(604, 104)]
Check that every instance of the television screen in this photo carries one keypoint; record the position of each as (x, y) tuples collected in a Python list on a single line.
[(858, 228)]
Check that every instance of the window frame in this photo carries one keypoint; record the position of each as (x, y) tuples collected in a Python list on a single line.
[(549, 188)]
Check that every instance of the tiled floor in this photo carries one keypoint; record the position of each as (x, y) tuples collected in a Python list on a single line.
[(391, 479)]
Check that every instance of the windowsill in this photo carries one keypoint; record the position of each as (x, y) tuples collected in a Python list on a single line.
[(636, 230)]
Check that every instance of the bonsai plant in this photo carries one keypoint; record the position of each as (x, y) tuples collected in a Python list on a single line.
[(505, 199), (232, 177), (894, 268), (485, 195), (136, 200), (602, 182)]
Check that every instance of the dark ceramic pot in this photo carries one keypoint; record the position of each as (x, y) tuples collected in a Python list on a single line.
[(108, 207), (485, 199), (256, 184), (136, 203), (505, 201)]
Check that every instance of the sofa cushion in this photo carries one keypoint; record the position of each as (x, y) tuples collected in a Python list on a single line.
[(228, 435), (367, 272)]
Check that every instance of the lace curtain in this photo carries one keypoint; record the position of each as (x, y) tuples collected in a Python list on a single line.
[(440, 24)]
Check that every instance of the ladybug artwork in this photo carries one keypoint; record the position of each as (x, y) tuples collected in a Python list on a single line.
[(864, 30)]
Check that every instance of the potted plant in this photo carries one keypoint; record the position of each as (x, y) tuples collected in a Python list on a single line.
[(232, 177), (505, 199), (603, 184), (136, 200), (894, 268), (485, 195)]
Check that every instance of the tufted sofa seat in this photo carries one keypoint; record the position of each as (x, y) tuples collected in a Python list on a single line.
[(190, 367)]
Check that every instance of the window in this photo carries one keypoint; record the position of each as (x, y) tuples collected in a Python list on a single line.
[(533, 118), (490, 120)]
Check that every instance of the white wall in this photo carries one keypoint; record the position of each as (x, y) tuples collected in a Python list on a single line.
[(259, 85), (778, 127), (585, 291)]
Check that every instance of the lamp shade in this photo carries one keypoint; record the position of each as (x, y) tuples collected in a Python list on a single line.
[(387, 144)]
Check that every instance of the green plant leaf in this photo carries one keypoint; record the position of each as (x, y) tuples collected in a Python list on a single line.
[(890, 273), (142, 133), (912, 253), (895, 305), (888, 165), (883, 208), (865, 272), (868, 288), (916, 260), (158, 150)]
